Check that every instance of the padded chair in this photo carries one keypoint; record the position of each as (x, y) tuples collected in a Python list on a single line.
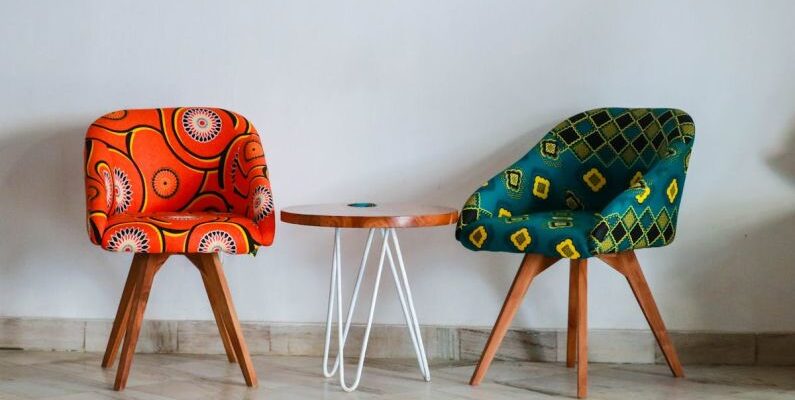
[(190, 181), (601, 184)]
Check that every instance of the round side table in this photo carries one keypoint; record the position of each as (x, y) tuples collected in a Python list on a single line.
[(381, 218)]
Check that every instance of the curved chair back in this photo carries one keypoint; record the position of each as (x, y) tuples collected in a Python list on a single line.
[(599, 161), (175, 160)]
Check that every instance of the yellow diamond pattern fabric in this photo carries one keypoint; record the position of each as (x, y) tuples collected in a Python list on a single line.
[(602, 181)]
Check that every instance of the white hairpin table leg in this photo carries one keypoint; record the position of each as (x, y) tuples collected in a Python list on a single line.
[(331, 292), (335, 303), (335, 273), (407, 303)]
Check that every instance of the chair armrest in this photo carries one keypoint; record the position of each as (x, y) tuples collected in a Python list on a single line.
[(652, 201), (262, 206), (99, 188), (248, 173), (517, 189), (492, 199)]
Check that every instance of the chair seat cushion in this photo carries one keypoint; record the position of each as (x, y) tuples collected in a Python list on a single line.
[(183, 232), (561, 233)]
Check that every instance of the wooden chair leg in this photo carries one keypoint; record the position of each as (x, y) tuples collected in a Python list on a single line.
[(151, 264), (532, 265), (627, 264), (211, 266), (579, 268), (123, 312), (214, 304), (571, 333)]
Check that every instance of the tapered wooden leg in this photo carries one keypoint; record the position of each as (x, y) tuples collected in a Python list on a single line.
[(532, 265), (123, 312), (211, 265), (627, 264), (571, 333), (214, 304), (151, 263), (580, 269)]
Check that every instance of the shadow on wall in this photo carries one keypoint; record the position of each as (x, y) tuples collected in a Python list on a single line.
[(783, 161), (43, 207), (755, 259)]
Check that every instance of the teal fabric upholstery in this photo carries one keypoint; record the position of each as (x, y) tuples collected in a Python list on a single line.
[(603, 181)]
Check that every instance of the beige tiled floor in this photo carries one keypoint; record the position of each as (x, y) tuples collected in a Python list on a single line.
[(77, 376)]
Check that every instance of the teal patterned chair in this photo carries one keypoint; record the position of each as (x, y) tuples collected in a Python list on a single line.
[(600, 184)]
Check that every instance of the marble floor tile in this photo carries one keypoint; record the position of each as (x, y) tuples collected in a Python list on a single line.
[(42, 334), (504, 371), (517, 345), (614, 346), (155, 337), (19, 357), (775, 349), (109, 395), (710, 348), (750, 377), (304, 340), (78, 376), (767, 394), (202, 337)]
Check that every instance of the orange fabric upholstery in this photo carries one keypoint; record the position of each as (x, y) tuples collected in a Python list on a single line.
[(177, 180)]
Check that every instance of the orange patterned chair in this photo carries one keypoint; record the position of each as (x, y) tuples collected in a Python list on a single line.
[(189, 181)]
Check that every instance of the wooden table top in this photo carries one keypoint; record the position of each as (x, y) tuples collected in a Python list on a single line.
[(370, 215)]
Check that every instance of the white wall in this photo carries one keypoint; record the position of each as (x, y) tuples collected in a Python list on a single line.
[(406, 101)]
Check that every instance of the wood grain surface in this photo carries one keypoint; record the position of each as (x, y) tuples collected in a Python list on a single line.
[(391, 215)]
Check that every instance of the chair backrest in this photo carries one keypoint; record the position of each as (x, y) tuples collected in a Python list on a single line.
[(588, 159), (176, 159)]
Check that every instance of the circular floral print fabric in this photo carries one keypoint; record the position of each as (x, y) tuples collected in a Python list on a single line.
[(192, 179)]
